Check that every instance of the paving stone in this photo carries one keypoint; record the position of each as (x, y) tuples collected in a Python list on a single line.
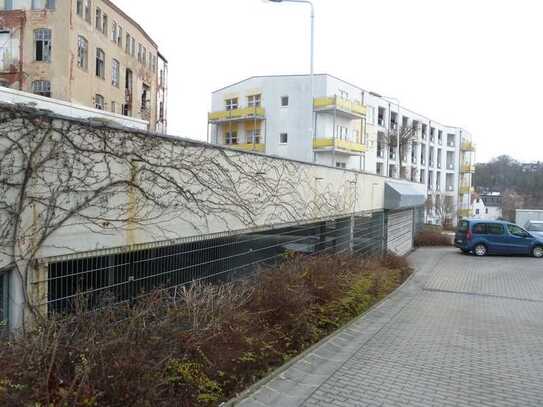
[(464, 331)]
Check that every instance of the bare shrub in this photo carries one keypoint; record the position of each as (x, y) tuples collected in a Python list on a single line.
[(432, 238)]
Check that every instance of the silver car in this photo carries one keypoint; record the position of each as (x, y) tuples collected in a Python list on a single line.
[(535, 227)]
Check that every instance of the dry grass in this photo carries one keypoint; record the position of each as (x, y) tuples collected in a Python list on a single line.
[(433, 238), (195, 346)]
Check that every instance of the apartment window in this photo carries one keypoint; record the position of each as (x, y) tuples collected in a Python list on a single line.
[(254, 137), (42, 45), (381, 116), (88, 16), (79, 8), (344, 94), (113, 107), (100, 63), (231, 104), (40, 4), (99, 102), (42, 88), (341, 165), (140, 48), (120, 36), (231, 138), (254, 100), (105, 24), (133, 47), (144, 56), (82, 52), (284, 101), (115, 73), (114, 32), (98, 19), (371, 115), (379, 169), (283, 138), (128, 42), (145, 101), (161, 112)]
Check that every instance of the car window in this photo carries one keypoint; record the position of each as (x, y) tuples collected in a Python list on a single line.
[(517, 231), (495, 229), (463, 226), (479, 229)]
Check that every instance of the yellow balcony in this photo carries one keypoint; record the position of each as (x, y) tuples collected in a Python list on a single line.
[(257, 148), (465, 189), (468, 146), (468, 168), (342, 145), (465, 213), (246, 113), (353, 109)]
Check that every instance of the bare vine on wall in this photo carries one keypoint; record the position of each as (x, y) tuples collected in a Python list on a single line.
[(59, 175)]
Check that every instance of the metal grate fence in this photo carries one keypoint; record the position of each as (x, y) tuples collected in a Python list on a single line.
[(117, 278)]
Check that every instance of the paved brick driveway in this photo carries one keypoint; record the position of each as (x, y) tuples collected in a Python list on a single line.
[(464, 331)]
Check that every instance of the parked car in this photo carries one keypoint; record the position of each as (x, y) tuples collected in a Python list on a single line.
[(496, 237), (535, 227)]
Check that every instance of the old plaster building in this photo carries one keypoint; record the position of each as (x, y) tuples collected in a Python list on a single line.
[(86, 52)]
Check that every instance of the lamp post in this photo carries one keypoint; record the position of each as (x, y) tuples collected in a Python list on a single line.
[(312, 63)]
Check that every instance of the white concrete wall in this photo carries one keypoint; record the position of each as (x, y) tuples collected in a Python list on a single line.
[(67, 109)]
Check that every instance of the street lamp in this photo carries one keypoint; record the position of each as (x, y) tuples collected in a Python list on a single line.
[(312, 63)]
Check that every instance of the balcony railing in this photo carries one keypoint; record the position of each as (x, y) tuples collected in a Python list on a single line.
[(468, 168), (342, 105), (468, 146), (465, 189), (247, 113), (258, 148), (464, 213), (330, 143)]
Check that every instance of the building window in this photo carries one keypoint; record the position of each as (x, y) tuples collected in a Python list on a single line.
[(40, 4), (231, 138), (98, 19), (161, 112), (82, 52), (231, 104), (115, 73), (114, 32), (79, 8), (120, 36), (283, 138), (128, 42), (144, 56), (341, 165), (145, 102), (42, 45), (42, 88), (284, 101), (88, 16), (133, 47), (113, 107), (99, 102), (104, 24), (254, 137), (139, 52), (100, 63), (254, 100)]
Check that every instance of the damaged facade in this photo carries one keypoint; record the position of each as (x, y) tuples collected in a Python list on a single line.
[(86, 52)]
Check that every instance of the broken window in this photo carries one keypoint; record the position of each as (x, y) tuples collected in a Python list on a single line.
[(82, 53), (99, 102), (115, 73), (42, 45), (100, 63), (42, 88), (145, 101)]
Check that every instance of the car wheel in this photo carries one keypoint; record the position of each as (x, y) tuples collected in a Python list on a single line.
[(480, 250), (538, 252)]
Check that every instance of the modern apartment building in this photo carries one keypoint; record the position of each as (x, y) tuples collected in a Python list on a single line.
[(87, 52), (345, 126)]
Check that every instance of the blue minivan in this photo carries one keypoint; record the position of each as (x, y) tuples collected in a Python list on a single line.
[(484, 237)]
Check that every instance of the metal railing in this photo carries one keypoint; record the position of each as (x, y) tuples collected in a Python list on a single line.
[(93, 282)]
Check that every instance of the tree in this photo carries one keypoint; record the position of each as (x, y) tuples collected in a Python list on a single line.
[(404, 137)]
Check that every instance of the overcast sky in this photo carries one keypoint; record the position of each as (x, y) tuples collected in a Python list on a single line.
[(476, 64)]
